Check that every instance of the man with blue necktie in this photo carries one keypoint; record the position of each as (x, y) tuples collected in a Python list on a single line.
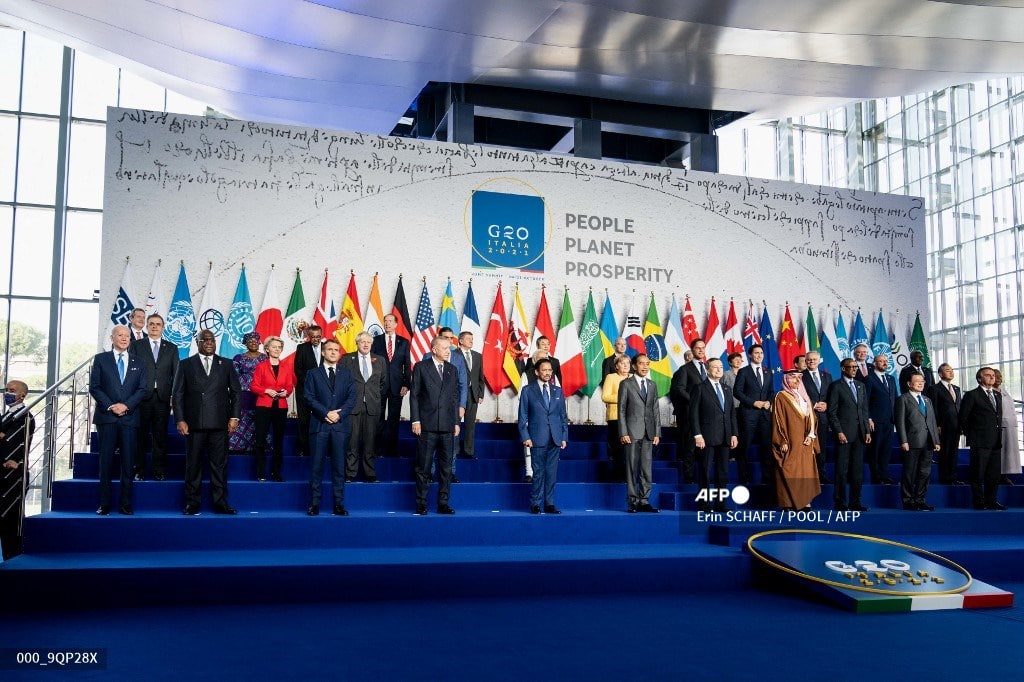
[(639, 432), (881, 403), (544, 428), (118, 382), (331, 394), (715, 431), (918, 435), (848, 418)]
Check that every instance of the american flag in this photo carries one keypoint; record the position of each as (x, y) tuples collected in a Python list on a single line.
[(426, 330), (751, 333)]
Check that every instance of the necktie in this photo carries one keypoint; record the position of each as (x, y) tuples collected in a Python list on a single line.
[(817, 380), (156, 350), (757, 373), (721, 397), (469, 361), (544, 391), (316, 353), (992, 399), (864, 368), (330, 377), (366, 367), (703, 374), (952, 393), (920, 403), (643, 389), (440, 371), (853, 388), (120, 366), (206, 364)]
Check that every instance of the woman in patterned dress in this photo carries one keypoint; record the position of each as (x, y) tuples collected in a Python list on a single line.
[(245, 364)]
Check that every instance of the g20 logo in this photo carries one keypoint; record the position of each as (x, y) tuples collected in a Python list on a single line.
[(507, 229)]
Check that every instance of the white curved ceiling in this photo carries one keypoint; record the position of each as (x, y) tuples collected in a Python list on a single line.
[(357, 64)]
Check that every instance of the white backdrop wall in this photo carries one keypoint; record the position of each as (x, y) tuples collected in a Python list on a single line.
[(232, 192)]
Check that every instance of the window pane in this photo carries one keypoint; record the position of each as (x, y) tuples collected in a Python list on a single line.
[(43, 65), (33, 251), (37, 179), (10, 75), (85, 165), (83, 238), (94, 87), (29, 321), (79, 322), (6, 226), (139, 93), (8, 145)]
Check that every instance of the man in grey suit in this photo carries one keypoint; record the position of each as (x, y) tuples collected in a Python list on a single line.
[(475, 368), (368, 372), (918, 435), (639, 431)]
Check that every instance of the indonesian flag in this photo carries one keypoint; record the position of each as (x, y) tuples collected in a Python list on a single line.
[(494, 347), (323, 317), (632, 332), (270, 321), (373, 316), (543, 326), (713, 335), (574, 372), (690, 333), (733, 334), (349, 322)]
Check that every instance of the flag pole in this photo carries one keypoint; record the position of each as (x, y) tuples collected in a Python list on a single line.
[(497, 417)]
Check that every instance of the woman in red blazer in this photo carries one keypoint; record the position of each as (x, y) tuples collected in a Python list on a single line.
[(272, 382)]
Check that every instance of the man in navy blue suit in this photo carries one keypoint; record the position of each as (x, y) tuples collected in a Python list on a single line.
[(118, 382), (754, 389), (330, 393), (715, 431), (434, 411), (544, 428), (881, 403)]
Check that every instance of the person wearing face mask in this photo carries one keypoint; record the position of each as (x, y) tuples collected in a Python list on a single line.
[(15, 442)]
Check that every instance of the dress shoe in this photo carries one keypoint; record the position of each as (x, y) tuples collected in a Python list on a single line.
[(339, 510), (824, 480), (277, 478), (314, 510), (261, 479), (528, 479), (466, 455), (103, 510), (957, 481), (631, 509), (720, 507), (455, 479), (995, 506), (839, 507), (225, 509), (925, 507), (373, 479), (1005, 480), (551, 509), (534, 509), (191, 510), (350, 479), (979, 506), (858, 507), (445, 509), (140, 476), (888, 481), (647, 508), (126, 509), (421, 510), (159, 477)]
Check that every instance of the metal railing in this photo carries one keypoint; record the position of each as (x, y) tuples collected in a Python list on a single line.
[(62, 416)]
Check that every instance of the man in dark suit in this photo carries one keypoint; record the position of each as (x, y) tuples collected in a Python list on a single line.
[(544, 428), (475, 369), (981, 414), (206, 399), (860, 358), (916, 366), (459, 361), (368, 372), (608, 366), (684, 382), (947, 397), (918, 435), (398, 365), (755, 390), (307, 357), (848, 418), (160, 357), (881, 402), (434, 410), (16, 429), (331, 393), (715, 430), (543, 350), (639, 431), (816, 382), (118, 382)]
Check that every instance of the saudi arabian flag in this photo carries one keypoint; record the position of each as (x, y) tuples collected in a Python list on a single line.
[(918, 342), (811, 332), (593, 349), (654, 342)]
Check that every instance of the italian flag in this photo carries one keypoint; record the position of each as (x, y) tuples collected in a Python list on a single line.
[(574, 373)]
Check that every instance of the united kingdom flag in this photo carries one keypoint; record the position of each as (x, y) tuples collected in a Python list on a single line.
[(751, 333)]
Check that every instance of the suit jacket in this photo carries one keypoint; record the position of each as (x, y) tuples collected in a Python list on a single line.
[(556, 370), (748, 390), (322, 399), (979, 421), (368, 393), (848, 414), (475, 375), (543, 423), (946, 406), (399, 367), (106, 388), (913, 428), (13, 445), (305, 360), (816, 395), (459, 363), (638, 418), (684, 380), (206, 402), (908, 371), (707, 417), (434, 401), (881, 397), (263, 378), (161, 371)]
